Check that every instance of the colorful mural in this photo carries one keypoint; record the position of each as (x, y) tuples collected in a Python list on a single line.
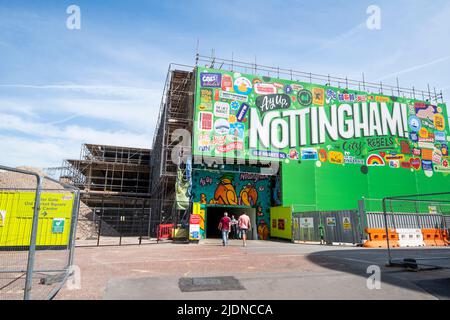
[(256, 117), (211, 187), (335, 145)]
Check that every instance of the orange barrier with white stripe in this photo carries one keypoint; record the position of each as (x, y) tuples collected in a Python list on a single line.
[(435, 237), (377, 238)]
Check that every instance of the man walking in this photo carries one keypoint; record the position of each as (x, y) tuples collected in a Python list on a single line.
[(244, 226), (224, 227)]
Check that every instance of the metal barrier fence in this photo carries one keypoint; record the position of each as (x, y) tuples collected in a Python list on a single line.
[(328, 227), (37, 228), (116, 230), (117, 221), (410, 212), (376, 220)]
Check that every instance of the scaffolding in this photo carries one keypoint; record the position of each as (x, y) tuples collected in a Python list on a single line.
[(114, 180), (176, 112), (429, 95), (110, 170)]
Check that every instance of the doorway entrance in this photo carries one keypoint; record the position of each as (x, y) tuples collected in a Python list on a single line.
[(214, 213)]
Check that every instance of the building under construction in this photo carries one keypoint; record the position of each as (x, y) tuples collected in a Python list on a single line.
[(206, 115), (115, 185), (243, 149)]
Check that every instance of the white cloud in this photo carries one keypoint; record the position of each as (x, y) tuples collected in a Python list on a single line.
[(73, 133), (414, 68), (41, 144), (137, 112), (98, 90), (18, 151)]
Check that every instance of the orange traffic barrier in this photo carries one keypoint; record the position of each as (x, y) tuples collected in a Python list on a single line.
[(435, 237), (377, 238)]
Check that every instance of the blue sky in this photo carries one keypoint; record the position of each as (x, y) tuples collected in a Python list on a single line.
[(60, 88)]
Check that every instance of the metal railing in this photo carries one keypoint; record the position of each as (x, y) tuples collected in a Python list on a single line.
[(37, 237)]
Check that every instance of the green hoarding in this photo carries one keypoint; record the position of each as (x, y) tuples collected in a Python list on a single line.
[(329, 140)]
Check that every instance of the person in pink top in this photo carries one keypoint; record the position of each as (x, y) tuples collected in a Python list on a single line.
[(244, 226)]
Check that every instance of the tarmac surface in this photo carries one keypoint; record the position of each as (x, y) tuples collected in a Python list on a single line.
[(263, 270)]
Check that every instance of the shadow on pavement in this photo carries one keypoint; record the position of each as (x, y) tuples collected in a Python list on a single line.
[(434, 281)]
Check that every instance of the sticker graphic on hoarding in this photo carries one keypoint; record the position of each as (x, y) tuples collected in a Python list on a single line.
[(219, 140), (427, 154), (211, 79), (242, 85), (235, 105), (423, 133), (265, 88), (445, 168), (437, 157), (308, 154), (439, 136), (374, 160), (394, 164), (272, 102), (221, 126), (237, 131), (288, 89), (233, 96), (427, 165), (58, 225), (281, 224), (204, 140), (414, 123), (227, 82), (205, 99), (322, 155), (293, 154), (415, 163), (439, 122), (206, 121), (238, 145), (318, 96), (336, 157), (242, 112), (221, 109), (425, 111), (304, 97), (413, 136)]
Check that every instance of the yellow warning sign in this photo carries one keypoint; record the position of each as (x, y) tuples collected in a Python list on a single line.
[(16, 218), (346, 223)]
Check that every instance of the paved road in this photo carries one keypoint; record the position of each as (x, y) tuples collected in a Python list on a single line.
[(265, 270)]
